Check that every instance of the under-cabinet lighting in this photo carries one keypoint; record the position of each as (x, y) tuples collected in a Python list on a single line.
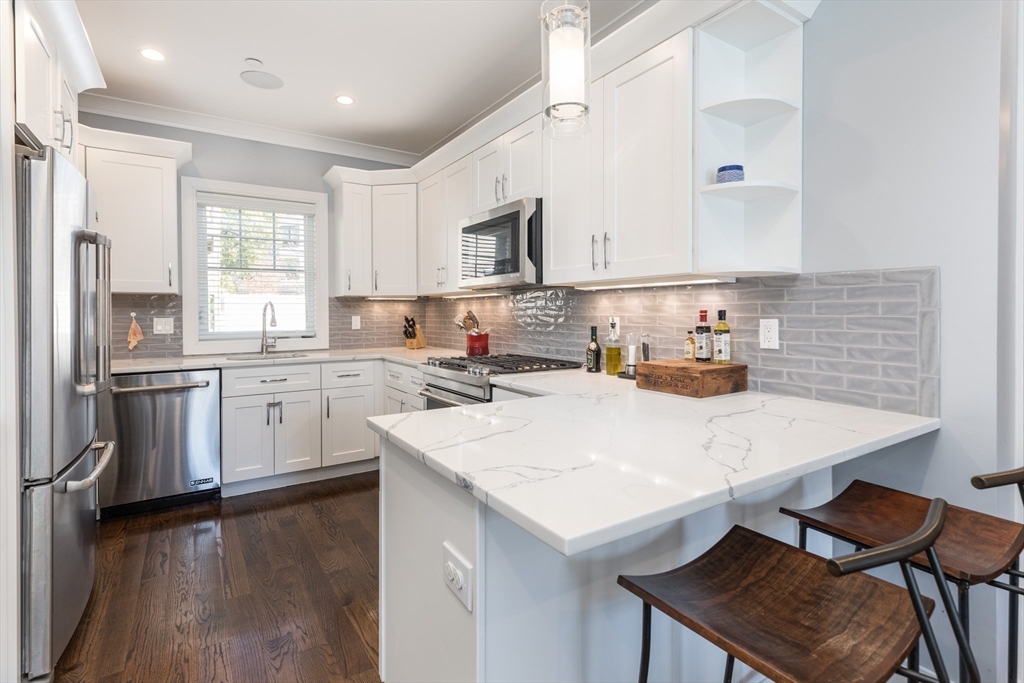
[(705, 281), (391, 298), (474, 296), (565, 60), (152, 54)]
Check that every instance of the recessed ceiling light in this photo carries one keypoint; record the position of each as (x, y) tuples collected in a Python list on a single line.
[(151, 54), (253, 62), (261, 79), (344, 99)]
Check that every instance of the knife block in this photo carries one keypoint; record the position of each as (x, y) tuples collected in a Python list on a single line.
[(418, 342)]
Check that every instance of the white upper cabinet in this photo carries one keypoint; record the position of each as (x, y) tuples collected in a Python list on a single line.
[(647, 164), (573, 208), (487, 168), (351, 270), (508, 167), (521, 172), (458, 204), (433, 234), (37, 100), (137, 202), (394, 240)]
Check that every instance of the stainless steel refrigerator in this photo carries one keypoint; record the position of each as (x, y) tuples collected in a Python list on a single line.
[(64, 325)]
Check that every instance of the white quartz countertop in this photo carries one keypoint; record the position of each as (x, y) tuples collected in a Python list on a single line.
[(604, 460), (395, 354)]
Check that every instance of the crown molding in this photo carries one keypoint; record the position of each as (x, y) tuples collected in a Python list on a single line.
[(181, 152), (204, 123)]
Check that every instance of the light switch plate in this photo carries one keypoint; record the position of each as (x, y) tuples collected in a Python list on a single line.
[(163, 325), (457, 574), (356, 322), (769, 334)]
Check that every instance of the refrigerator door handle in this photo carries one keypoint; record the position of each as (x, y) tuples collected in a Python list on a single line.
[(90, 481), (103, 322)]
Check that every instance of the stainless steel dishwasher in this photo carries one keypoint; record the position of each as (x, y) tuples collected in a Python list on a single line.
[(167, 428)]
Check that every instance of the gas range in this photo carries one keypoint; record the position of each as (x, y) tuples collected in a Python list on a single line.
[(469, 376)]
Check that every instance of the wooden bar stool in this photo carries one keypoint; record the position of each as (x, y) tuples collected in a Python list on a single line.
[(974, 548), (794, 617)]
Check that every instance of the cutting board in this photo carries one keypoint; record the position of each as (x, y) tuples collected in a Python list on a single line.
[(690, 378)]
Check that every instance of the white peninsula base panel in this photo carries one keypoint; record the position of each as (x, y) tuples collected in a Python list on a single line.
[(539, 615)]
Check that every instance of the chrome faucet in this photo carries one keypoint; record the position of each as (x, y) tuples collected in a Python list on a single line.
[(264, 342)]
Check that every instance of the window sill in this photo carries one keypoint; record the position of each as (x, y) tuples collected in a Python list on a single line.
[(211, 348)]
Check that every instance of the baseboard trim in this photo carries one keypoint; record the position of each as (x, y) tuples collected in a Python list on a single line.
[(278, 481)]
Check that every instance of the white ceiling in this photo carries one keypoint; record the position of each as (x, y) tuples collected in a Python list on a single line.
[(419, 70)]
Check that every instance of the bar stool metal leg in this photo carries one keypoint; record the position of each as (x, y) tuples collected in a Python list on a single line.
[(645, 646), (1011, 666), (730, 661), (964, 607)]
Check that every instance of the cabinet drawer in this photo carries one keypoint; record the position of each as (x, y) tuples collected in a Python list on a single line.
[(278, 379), (395, 376), (339, 375), (414, 381)]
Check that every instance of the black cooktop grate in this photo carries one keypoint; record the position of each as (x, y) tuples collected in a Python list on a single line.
[(511, 363)]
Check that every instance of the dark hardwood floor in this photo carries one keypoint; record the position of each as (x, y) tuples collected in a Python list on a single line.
[(272, 586)]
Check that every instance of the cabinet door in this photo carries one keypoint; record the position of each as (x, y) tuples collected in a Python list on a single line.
[(487, 165), (37, 99), (247, 437), (521, 175), (647, 162), (394, 240), (573, 202), (137, 200), (433, 238), (351, 251), (346, 438), (296, 420), (394, 401), (458, 201)]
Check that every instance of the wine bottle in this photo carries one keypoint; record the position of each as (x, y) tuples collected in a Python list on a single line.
[(723, 354), (593, 352), (703, 337)]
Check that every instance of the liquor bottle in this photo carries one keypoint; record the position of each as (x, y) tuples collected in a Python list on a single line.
[(723, 354), (703, 337), (690, 346), (593, 352), (612, 351)]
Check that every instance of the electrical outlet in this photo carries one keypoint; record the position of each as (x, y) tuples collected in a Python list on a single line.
[(356, 323), (163, 325), (457, 574), (769, 334)]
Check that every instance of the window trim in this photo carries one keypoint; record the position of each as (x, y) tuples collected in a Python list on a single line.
[(191, 345)]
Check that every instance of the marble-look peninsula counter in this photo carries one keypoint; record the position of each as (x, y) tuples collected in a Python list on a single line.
[(549, 499)]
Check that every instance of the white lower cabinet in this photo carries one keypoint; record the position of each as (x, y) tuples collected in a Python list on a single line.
[(345, 436), (297, 431), (247, 438)]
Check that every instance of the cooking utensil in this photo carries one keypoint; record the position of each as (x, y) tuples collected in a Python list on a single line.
[(458, 323), (472, 316)]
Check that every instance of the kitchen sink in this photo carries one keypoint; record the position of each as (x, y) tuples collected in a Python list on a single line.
[(269, 356)]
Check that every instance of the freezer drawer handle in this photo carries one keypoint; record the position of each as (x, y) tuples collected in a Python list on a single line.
[(88, 482), (160, 387), (425, 393), (277, 379)]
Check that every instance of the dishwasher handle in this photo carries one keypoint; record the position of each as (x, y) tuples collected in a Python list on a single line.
[(159, 387), (90, 481)]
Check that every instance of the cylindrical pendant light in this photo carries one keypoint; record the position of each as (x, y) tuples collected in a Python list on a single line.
[(565, 54)]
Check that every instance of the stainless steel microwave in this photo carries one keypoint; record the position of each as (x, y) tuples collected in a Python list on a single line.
[(501, 247)]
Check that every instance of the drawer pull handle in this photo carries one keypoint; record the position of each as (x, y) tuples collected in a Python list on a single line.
[(276, 404), (348, 374), (276, 379), (395, 376), (328, 407)]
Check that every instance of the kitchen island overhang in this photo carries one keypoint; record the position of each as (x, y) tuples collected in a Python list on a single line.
[(548, 499)]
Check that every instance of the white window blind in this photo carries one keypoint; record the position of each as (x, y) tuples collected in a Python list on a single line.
[(252, 251)]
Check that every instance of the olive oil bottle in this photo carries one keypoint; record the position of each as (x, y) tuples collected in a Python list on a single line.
[(723, 354), (612, 351), (593, 352)]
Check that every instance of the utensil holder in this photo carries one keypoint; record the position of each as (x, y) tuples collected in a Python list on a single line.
[(418, 342), (476, 345)]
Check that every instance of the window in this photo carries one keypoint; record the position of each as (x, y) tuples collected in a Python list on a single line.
[(244, 246)]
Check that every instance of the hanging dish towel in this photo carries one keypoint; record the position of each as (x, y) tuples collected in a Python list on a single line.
[(134, 334)]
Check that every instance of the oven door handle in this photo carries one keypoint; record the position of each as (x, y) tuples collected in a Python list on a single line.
[(427, 394)]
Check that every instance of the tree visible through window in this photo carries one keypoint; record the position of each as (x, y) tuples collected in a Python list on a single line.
[(252, 251)]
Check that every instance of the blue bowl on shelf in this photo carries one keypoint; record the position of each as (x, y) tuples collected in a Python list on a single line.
[(730, 174)]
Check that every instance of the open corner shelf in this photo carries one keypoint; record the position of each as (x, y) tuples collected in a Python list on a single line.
[(749, 190), (750, 25), (750, 109)]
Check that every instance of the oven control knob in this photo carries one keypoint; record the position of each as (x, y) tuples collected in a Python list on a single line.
[(485, 371)]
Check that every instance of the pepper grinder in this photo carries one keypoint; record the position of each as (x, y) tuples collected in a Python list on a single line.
[(631, 339), (645, 346)]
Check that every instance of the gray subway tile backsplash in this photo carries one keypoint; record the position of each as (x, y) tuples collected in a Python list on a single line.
[(868, 338)]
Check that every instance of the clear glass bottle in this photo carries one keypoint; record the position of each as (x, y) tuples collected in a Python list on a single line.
[(593, 352), (723, 354), (703, 337), (612, 351), (690, 346)]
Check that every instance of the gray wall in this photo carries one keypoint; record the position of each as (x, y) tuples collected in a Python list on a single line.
[(901, 161)]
